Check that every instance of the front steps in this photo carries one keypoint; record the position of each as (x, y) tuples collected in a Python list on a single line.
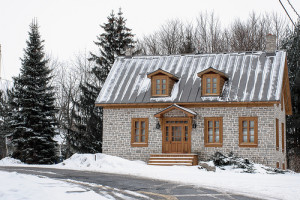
[(168, 159)]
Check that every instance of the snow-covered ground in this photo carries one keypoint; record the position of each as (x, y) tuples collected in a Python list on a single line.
[(14, 186), (259, 184)]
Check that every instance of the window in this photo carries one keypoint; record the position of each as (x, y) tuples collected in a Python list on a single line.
[(213, 131), (211, 84), (248, 131), (277, 134), (139, 132), (277, 165), (160, 85), (282, 136)]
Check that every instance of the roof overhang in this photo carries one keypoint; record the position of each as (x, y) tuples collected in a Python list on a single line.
[(160, 71), (210, 69), (187, 111)]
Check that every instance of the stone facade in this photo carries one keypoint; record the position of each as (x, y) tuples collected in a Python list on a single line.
[(117, 133)]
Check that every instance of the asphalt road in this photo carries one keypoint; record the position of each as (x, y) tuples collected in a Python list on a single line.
[(122, 186)]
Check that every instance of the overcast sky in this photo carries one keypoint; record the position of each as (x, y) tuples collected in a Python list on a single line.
[(71, 26)]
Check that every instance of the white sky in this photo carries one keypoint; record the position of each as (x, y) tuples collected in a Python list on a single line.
[(71, 26)]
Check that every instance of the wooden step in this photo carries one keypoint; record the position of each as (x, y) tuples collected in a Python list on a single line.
[(173, 159)]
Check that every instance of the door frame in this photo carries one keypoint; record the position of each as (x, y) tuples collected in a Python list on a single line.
[(163, 130)]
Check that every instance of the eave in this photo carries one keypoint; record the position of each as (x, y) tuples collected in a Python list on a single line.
[(189, 105)]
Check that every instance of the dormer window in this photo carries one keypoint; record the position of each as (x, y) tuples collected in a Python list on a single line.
[(212, 81), (211, 84), (161, 83)]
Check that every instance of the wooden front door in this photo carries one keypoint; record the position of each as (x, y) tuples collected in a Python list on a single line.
[(176, 135)]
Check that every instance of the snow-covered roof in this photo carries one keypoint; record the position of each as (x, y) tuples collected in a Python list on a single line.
[(252, 76)]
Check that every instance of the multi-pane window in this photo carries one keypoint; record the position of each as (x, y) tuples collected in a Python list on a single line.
[(248, 131), (161, 86), (139, 132), (211, 84), (213, 131)]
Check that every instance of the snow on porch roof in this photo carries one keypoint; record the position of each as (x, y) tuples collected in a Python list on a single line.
[(252, 76), (175, 106)]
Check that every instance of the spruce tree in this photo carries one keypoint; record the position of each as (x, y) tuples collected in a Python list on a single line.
[(33, 105), (292, 46), (86, 136)]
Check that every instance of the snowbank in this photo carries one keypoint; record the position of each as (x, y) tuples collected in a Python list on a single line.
[(258, 184), (21, 186), (10, 161)]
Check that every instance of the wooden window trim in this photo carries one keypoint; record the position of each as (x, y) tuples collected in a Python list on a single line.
[(205, 76), (282, 137), (277, 165), (248, 144), (277, 134), (139, 144), (213, 144), (153, 85)]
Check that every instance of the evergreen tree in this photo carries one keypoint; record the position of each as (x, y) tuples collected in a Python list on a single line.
[(33, 105), (86, 136), (292, 45)]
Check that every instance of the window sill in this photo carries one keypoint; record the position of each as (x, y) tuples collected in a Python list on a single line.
[(248, 145), (213, 145), (205, 95), (139, 144), (153, 96)]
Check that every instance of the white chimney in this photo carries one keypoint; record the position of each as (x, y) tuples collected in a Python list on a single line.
[(128, 51), (270, 43)]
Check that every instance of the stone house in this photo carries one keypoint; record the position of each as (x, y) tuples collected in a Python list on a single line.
[(179, 106)]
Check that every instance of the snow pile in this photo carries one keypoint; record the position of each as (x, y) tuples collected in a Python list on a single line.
[(238, 164), (10, 161), (99, 161), (21, 186)]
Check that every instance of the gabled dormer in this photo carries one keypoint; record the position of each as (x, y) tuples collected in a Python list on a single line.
[(212, 81), (162, 83)]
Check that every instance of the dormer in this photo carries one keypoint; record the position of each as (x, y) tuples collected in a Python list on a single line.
[(162, 83), (212, 81)]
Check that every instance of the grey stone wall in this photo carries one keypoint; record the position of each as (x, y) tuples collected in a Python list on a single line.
[(117, 133)]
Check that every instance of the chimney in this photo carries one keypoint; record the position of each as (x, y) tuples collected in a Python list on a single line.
[(270, 43), (128, 51)]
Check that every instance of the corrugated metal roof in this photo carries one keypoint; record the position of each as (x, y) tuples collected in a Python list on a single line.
[(253, 76)]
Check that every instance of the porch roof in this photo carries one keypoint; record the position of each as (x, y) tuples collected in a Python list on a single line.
[(187, 111)]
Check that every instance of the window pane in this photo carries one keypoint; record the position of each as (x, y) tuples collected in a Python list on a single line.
[(143, 131), (216, 123), (210, 124), (167, 139), (214, 91), (136, 138), (244, 131), (208, 85), (251, 131), (217, 131), (164, 81), (208, 80), (210, 131), (217, 138), (164, 87), (157, 81), (207, 90), (214, 85), (143, 139), (251, 138), (244, 138), (137, 124), (157, 92), (214, 80), (244, 123), (137, 132), (251, 123), (143, 124), (210, 139), (163, 91)]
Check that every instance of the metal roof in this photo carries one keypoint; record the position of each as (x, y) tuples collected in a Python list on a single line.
[(252, 76)]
